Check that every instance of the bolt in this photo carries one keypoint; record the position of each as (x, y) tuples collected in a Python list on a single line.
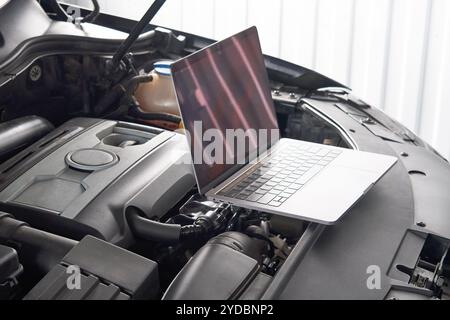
[(292, 95), (368, 121), (277, 93), (35, 73)]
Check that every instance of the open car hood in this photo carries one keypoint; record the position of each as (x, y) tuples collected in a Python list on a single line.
[(21, 42)]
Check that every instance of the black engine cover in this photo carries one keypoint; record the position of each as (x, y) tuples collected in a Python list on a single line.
[(79, 179)]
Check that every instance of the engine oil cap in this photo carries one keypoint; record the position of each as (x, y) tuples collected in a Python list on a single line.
[(91, 159)]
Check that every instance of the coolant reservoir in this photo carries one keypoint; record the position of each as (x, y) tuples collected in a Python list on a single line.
[(158, 96)]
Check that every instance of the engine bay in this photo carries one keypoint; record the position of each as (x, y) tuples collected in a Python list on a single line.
[(106, 172), (132, 186), (111, 182), (96, 182)]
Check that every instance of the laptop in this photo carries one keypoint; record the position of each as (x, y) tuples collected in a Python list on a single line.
[(225, 102)]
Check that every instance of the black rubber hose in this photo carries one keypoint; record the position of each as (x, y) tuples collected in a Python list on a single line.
[(91, 17), (57, 9), (17, 134), (37, 249), (193, 232), (147, 229), (167, 233), (132, 84), (136, 113), (118, 91), (109, 99)]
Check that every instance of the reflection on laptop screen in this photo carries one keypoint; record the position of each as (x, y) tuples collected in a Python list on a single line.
[(225, 87)]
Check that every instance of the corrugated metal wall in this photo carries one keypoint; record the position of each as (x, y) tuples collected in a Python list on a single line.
[(395, 54)]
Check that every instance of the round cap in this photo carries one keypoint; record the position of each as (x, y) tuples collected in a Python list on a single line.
[(91, 159), (163, 67)]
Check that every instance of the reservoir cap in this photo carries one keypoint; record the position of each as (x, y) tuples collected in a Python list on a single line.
[(163, 67)]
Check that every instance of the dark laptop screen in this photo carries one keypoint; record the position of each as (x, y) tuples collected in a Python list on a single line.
[(225, 87)]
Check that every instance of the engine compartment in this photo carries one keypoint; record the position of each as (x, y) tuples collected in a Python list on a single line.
[(125, 186), (109, 194), (129, 184)]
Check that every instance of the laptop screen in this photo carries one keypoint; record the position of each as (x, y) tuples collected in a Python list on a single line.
[(225, 101)]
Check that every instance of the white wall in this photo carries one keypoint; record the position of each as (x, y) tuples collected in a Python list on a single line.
[(395, 54)]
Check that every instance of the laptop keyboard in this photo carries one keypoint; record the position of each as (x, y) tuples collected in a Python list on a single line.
[(276, 178)]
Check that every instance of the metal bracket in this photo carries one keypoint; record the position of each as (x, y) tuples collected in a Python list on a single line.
[(286, 97)]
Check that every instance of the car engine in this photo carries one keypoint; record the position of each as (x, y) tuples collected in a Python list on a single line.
[(97, 191)]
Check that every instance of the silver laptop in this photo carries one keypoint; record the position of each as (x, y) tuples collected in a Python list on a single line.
[(225, 101)]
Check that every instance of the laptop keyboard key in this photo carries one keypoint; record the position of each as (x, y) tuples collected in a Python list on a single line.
[(259, 191), (314, 149), (322, 152), (254, 197), (296, 186), (267, 198), (309, 174), (275, 204)]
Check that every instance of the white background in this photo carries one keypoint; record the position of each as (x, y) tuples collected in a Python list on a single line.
[(395, 54)]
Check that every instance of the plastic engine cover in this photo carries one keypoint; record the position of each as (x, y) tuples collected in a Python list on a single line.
[(79, 179)]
